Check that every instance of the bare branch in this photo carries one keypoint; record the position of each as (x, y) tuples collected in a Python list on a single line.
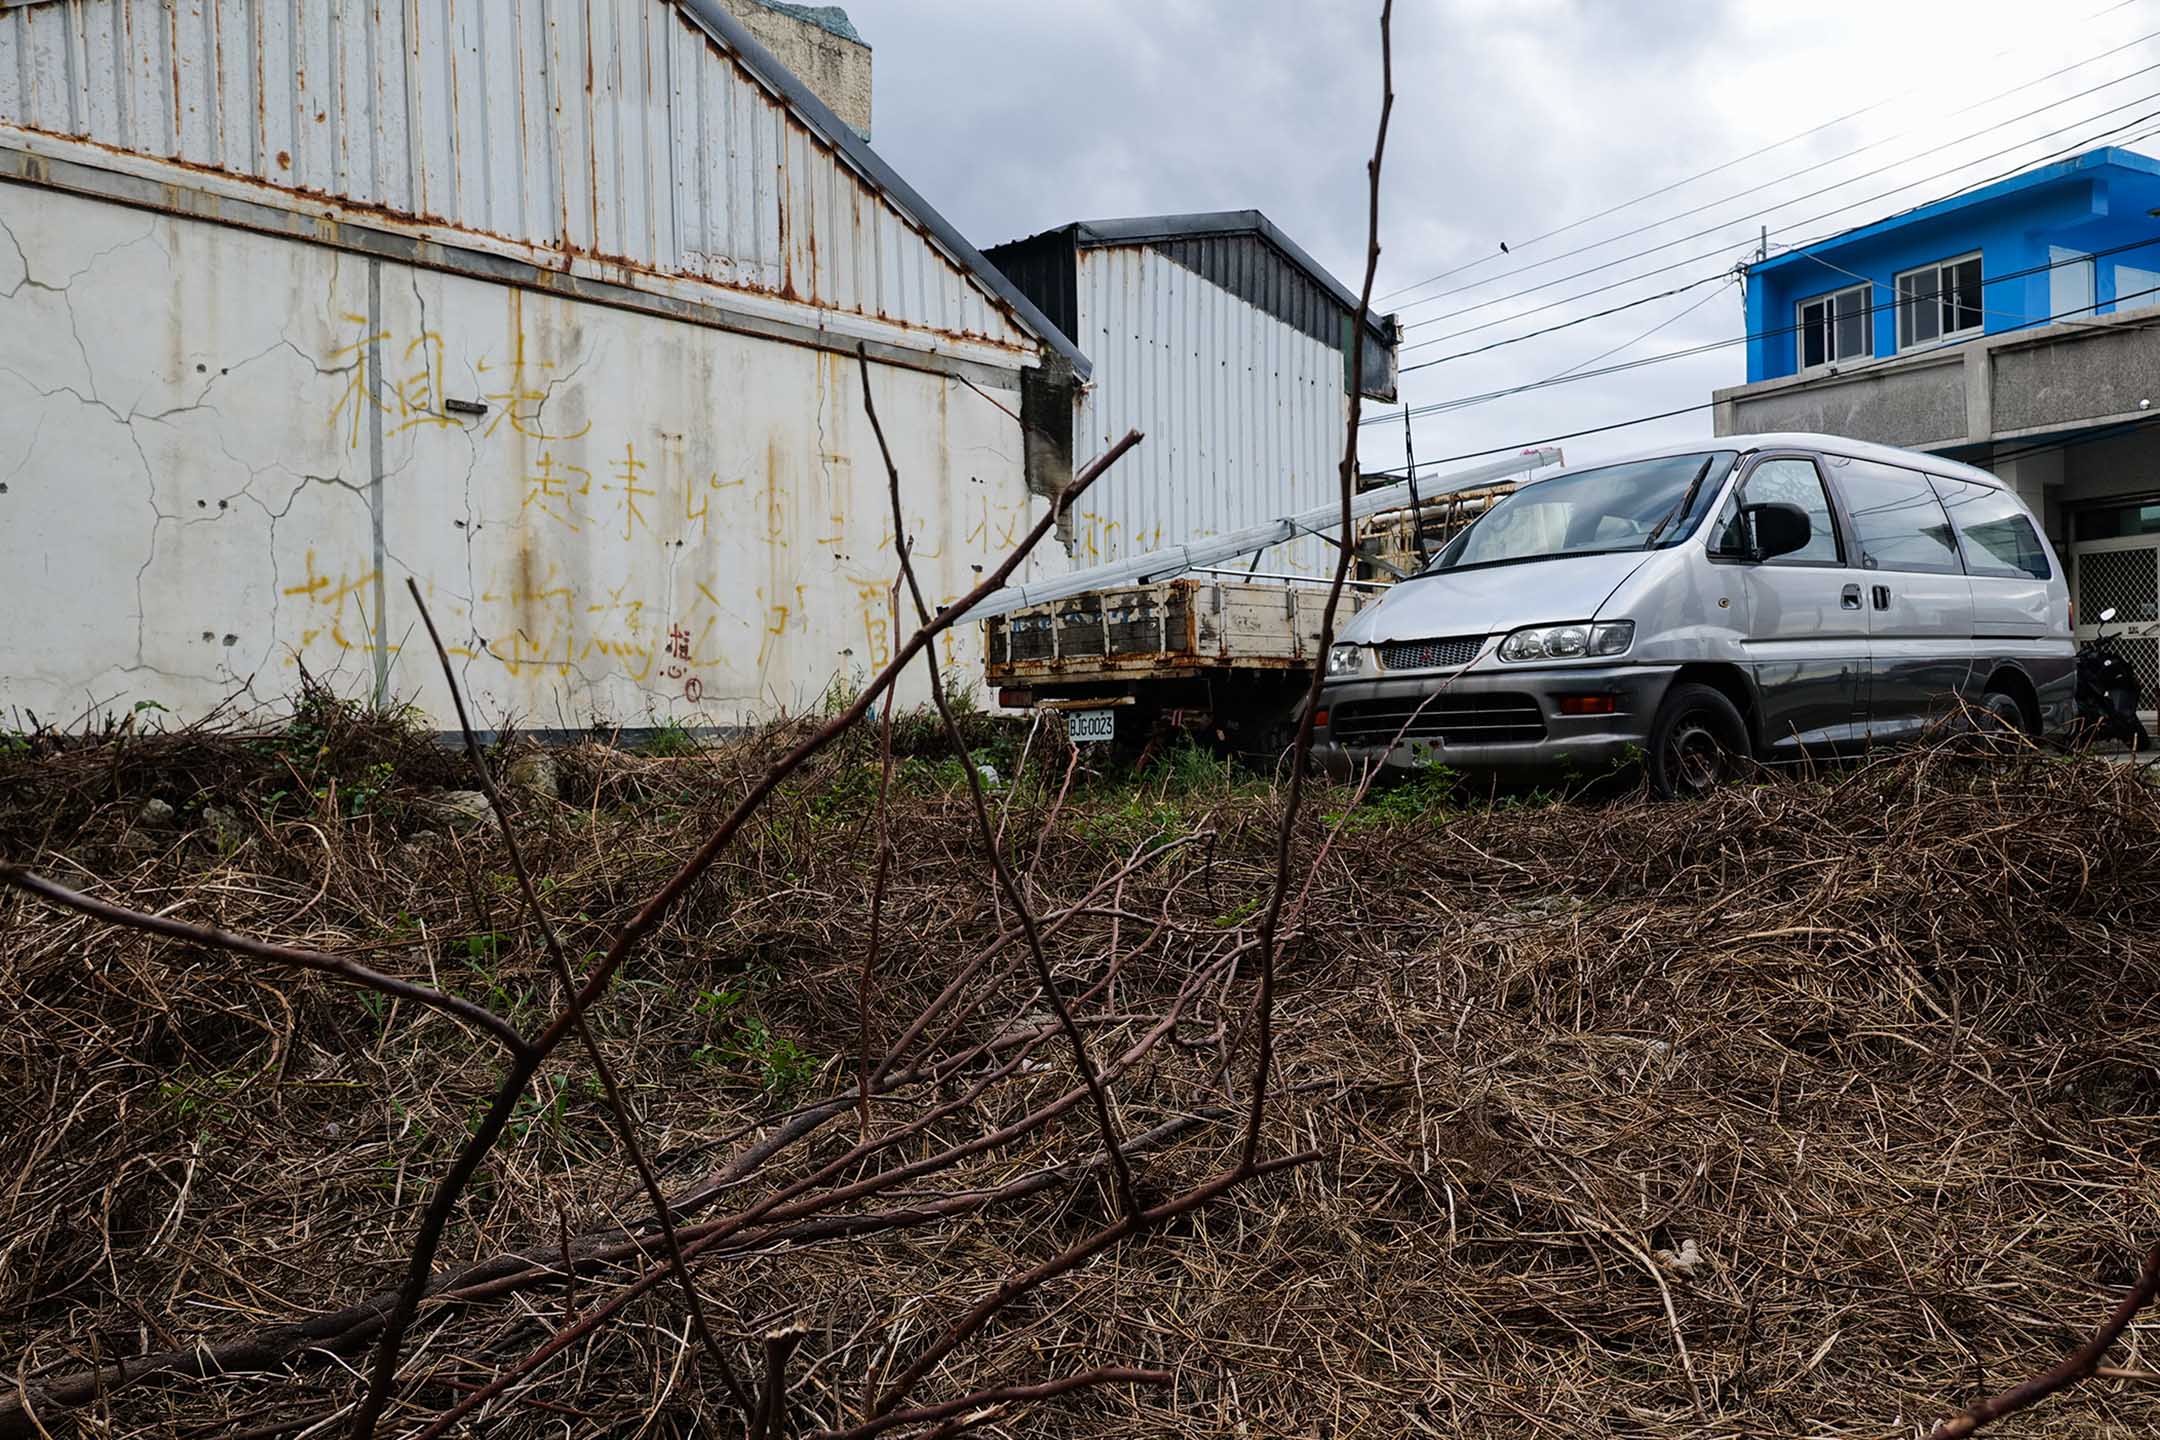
[(1002, 1395), (1079, 1254), (772, 1400), (428, 1239), (1301, 750), (1128, 1195), (625, 1126), (2081, 1364), (867, 982), (794, 1202), (285, 955)]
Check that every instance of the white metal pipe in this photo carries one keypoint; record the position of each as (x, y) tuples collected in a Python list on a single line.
[(1175, 560)]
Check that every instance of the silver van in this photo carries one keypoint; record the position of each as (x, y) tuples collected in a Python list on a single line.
[(1754, 597)]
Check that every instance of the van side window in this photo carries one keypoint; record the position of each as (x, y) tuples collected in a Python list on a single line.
[(1788, 481), (1998, 535), (1900, 524)]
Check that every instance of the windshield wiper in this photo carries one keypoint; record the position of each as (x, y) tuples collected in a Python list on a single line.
[(1517, 560), (1687, 503)]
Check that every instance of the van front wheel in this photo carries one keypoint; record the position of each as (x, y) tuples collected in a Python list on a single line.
[(1697, 743)]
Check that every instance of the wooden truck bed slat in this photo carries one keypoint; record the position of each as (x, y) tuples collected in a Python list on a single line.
[(1174, 626)]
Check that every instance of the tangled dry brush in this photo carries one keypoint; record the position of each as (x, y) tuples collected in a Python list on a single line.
[(1812, 1108)]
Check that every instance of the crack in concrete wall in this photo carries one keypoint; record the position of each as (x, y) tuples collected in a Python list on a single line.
[(694, 571)]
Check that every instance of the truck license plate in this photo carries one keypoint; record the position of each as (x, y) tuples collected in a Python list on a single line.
[(1090, 727)]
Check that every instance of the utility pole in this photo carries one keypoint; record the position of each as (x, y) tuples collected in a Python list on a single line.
[(1417, 511)]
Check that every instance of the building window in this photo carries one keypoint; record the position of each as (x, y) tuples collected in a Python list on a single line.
[(1939, 302), (2070, 284), (2135, 288), (2119, 522), (1836, 327)]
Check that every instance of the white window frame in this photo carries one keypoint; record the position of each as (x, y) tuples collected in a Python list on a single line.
[(2133, 279), (1935, 268), (2073, 284), (1833, 311)]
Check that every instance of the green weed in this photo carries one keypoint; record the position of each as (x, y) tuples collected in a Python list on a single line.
[(192, 1097), (1138, 817), (1421, 799), (747, 1044), (716, 1005), (671, 741), (850, 796), (1196, 769), (332, 751), (840, 694), (782, 1066), (545, 1109), (485, 946), (550, 1106)]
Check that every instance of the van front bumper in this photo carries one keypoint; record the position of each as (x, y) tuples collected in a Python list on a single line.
[(1492, 720)]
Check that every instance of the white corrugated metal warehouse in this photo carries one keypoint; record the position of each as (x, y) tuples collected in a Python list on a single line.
[(551, 307), (1218, 337)]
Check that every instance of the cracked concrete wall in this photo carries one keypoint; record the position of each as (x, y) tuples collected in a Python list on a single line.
[(222, 453)]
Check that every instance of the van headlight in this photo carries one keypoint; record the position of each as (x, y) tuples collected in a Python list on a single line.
[(1345, 660), (1569, 642)]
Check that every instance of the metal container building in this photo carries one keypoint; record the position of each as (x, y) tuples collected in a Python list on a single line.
[(1229, 347), (553, 308)]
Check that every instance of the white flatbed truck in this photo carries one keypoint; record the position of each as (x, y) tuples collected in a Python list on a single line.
[(1175, 640)]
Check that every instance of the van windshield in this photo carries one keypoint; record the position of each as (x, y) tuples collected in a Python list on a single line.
[(1638, 505)]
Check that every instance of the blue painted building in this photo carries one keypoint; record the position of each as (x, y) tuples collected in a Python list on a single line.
[(2016, 327), (2047, 243)]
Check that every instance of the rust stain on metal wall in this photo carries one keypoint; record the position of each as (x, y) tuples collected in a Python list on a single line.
[(453, 115)]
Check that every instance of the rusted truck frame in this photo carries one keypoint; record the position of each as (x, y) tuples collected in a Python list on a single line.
[(1220, 656), (1224, 658)]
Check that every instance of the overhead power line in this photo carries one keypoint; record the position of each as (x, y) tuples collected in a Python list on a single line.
[(2084, 142), (1564, 324), (1842, 371), (1581, 366), (1620, 308), (1589, 270), (1808, 170), (1817, 129), (1576, 373)]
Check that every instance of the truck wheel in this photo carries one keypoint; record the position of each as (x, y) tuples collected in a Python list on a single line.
[(1697, 743)]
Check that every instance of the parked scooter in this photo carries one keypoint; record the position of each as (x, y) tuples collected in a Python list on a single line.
[(2107, 691)]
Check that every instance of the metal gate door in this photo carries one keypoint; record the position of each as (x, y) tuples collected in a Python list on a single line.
[(2125, 574)]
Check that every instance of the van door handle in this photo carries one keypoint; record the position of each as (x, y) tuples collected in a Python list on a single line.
[(1851, 598), (1882, 597)]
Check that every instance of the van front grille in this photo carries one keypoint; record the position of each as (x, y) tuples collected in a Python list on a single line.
[(1444, 654), (1450, 719)]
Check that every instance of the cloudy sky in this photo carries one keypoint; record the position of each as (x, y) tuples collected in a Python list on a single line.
[(1513, 118)]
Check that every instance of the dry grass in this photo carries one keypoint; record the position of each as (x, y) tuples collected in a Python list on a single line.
[(1808, 1109)]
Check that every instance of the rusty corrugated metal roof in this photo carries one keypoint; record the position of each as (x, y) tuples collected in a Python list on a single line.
[(656, 138), (843, 137)]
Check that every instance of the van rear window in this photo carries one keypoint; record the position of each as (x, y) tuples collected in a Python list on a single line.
[(1997, 535), (1900, 527)]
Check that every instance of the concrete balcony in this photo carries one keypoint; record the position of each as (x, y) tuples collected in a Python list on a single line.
[(2022, 385)]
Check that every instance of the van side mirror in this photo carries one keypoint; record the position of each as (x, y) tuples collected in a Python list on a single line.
[(1776, 528)]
